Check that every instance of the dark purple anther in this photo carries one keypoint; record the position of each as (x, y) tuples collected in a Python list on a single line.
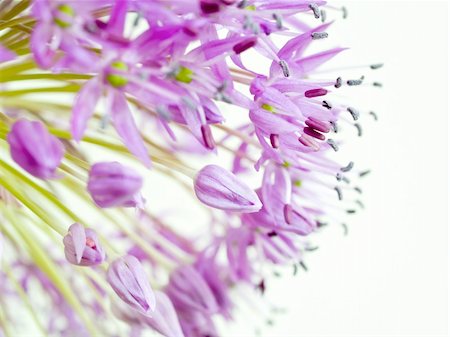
[(209, 7), (274, 140), (244, 45), (189, 31), (287, 212), (315, 92), (313, 133), (338, 83), (318, 125), (207, 137)]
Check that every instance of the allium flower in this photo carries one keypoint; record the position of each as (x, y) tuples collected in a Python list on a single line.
[(128, 279), (165, 84), (115, 185), (35, 149), (219, 188), (81, 246)]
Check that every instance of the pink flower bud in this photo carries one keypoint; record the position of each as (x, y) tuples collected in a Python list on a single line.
[(128, 279), (34, 149), (112, 184), (219, 188), (81, 246)]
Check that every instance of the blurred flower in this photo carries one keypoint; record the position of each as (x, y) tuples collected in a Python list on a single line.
[(219, 188), (35, 149), (112, 184), (128, 279), (81, 246)]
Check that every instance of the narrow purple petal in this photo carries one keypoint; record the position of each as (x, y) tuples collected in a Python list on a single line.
[(84, 107), (124, 123)]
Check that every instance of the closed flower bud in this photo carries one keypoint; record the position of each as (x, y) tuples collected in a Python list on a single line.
[(188, 290), (219, 188), (128, 279), (165, 319), (34, 149), (112, 184), (81, 246)]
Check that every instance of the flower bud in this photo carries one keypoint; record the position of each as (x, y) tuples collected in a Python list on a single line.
[(188, 290), (81, 246), (34, 149), (128, 279), (219, 188), (165, 318), (112, 184)]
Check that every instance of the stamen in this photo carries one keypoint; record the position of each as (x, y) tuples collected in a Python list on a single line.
[(207, 137), (374, 115), (355, 82), (354, 113), (209, 7), (339, 192), (278, 20), (344, 12), (344, 226), (295, 270), (303, 265), (321, 224), (315, 10), (377, 84), (242, 4), (359, 128), (326, 104), (262, 286), (311, 249), (345, 180), (272, 234), (287, 212), (334, 126), (348, 167), (284, 66), (309, 142), (333, 145), (339, 176), (317, 124), (360, 203), (364, 173), (376, 66), (315, 92), (275, 140), (358, 189), (338, 83), (244, 45), (351, 211), (323, 15), (313, 133), (319, 35)]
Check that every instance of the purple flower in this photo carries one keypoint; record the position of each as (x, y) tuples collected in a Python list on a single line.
[(34, 149), (81, 246), (219, 188), (112, 184), (188, 290), (164, 319), (129, 280)]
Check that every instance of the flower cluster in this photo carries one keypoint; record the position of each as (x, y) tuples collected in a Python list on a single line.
[(162, 73)]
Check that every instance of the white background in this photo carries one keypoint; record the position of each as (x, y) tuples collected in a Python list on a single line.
[(388, 277)]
